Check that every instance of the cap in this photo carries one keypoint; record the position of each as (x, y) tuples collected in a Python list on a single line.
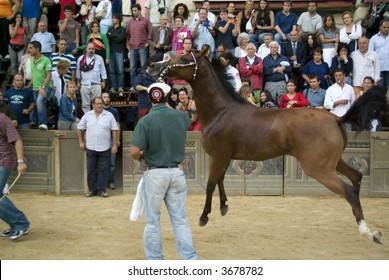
[(158, 91)]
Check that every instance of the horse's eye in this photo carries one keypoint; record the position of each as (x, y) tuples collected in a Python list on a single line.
[(183, 59)]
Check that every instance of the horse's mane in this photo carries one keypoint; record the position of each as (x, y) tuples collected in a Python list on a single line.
[(360, 115), (225, 81)]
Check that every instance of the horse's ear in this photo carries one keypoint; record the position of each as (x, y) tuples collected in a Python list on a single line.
[(203, 52)]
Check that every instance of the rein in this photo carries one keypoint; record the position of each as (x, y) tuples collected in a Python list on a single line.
[(194, 62)]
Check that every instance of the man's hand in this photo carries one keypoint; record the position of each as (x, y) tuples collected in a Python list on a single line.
[(22, 167)]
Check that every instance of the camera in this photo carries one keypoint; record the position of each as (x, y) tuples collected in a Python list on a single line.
[(161, 10)]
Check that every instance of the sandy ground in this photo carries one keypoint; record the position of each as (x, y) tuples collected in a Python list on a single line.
[(256, 227)]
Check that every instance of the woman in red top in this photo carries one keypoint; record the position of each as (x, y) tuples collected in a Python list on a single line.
[(16, 44), (293, 98), (188, 106)]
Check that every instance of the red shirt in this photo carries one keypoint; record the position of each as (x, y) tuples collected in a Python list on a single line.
[(138, 32), (8, 137), (299, 97)]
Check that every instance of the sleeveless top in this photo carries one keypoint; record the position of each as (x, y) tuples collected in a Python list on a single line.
[(19, 37), (244, 22), (186, 109), (263, 20)]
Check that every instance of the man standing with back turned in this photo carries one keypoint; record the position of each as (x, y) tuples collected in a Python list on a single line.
[(159, 138)]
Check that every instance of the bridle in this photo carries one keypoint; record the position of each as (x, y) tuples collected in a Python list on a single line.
[(194, 62)]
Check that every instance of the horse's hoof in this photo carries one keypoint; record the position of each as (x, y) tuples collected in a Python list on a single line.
[(203, 221), (378, 237), (224, 210)]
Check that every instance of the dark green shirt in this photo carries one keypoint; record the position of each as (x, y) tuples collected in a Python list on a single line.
[(161, 134)]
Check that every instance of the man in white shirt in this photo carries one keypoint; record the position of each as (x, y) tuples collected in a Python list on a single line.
[(91, 76), (46, 39), (264, 49), (95, 130), (155, 8), (339, 96), (366, 63)]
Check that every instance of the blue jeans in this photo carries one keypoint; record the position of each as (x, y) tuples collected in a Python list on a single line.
[(254, 39), (116, 69), (135, 56), (384, 79), (261, 37), (112, 166), (166, 185), (8, 211), (278, 38), (39, 114), (97, 164)]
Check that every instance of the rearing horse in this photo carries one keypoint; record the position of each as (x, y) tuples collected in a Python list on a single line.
[(232, 128)]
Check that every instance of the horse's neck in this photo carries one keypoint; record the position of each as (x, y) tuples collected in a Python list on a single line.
[(207, 91)]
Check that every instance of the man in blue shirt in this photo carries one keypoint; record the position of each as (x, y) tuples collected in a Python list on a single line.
[(285, 22), (21, 100), (315, 94), (276, 67), (141, 83)]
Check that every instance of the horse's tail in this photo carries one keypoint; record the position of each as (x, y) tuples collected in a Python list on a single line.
[(370, 105)]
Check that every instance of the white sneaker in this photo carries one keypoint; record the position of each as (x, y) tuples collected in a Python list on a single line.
[(6, 189), (43, 127), (120, 89), (7, 57)]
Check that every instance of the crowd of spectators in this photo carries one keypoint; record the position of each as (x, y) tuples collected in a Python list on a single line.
[(293, 60)]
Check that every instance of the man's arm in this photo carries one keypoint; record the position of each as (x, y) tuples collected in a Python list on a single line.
[(80, 134), (115, 136), (22, 167), (136, 153)]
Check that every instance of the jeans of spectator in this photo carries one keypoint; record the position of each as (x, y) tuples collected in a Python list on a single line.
[(254, 39), (87, 95), (132, 113), (137, 55), (65, 125), (112, 165), (16, 58), (4, 36), (384, 79), (8, 211), (70, 47), (328, 55), (278, 38), (84, 33), (261, 37), (104, 28), (116, 69), (166, 185), (97, 164), (24, 126), (47, 54), (277, 89), (39, 114), (30, 25)]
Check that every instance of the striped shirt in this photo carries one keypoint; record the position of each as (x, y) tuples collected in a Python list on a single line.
[(8, 135), (56, 57)]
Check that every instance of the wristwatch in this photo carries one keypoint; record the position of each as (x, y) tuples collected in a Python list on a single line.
[(20, 161)]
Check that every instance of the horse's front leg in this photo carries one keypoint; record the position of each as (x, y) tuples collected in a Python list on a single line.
[(216, 175), (222, 194)]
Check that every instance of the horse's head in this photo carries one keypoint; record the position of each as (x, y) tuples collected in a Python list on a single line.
[(181, 67)]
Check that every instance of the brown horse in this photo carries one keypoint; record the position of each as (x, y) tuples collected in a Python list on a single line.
[(232, 128)]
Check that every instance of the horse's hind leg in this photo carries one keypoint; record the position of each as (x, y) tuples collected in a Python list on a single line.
[(216, 173), (356, 177)]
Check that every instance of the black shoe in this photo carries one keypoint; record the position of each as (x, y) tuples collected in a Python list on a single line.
[(6, 233), (89, 194), (18, 234), (103, 194)]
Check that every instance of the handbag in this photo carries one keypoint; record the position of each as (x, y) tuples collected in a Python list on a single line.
[(16, 48), (368, 21), (102, 14)]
